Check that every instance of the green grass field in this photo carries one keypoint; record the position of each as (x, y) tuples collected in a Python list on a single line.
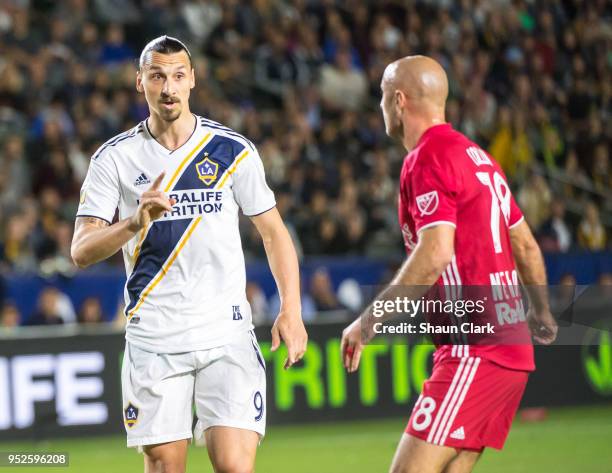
[(569, 441)]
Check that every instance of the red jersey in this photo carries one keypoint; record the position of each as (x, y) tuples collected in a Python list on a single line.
[(448, 179)]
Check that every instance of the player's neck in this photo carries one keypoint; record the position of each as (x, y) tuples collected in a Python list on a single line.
[(413, 134), (172, 135)]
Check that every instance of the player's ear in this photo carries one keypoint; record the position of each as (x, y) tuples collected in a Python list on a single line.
[(400, 99), (139, 86)]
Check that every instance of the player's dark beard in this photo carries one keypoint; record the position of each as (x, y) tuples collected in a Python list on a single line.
[(170, 115)]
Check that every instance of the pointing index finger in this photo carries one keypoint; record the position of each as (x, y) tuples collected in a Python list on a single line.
[(157, 182)]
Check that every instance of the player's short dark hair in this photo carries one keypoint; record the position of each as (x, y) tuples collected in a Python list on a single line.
[(164, 45)]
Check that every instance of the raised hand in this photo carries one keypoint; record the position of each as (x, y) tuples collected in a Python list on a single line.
[(153, 204)]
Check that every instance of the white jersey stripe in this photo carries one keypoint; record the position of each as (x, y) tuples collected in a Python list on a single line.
[(446, 284), (117, 139), (457, 277), (451, 277), (419, 399), (453, 400), (455, 270), (448, 295), (451, 282), (449, 393), (227, 131), (460, 401), (456, 274)]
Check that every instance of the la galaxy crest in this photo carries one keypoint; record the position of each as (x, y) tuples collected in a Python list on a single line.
[(207, 170), (131, 415)]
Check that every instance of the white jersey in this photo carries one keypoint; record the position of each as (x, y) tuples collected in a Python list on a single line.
[(185, 288)]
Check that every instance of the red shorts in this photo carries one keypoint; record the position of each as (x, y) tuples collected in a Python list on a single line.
[(467, 403)]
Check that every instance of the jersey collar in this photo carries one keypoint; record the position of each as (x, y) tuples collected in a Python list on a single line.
[(162, 147), (442, 127)]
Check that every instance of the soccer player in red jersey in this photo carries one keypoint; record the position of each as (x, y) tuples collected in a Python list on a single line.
[(461, 227)]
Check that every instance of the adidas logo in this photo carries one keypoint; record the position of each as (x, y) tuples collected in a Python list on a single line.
[(141, 180), (458, 434)]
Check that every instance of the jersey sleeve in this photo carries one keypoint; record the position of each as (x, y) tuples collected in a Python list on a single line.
[(250, 188), (100, 192), (434, 194), (516, 216)]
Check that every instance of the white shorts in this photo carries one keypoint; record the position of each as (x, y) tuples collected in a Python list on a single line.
[(226, 385)]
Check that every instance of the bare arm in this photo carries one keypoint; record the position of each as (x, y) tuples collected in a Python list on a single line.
[(281, 257), (530, 266), (421, 270), (430, 257), (284, 266), (95, 240)]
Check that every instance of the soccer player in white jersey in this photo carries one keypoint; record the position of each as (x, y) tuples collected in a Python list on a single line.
[(177, 182)]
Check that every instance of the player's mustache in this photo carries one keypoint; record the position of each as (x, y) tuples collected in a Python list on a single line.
[(169, 99)]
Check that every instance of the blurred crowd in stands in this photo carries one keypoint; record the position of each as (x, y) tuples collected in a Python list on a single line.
[(530, 81)]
